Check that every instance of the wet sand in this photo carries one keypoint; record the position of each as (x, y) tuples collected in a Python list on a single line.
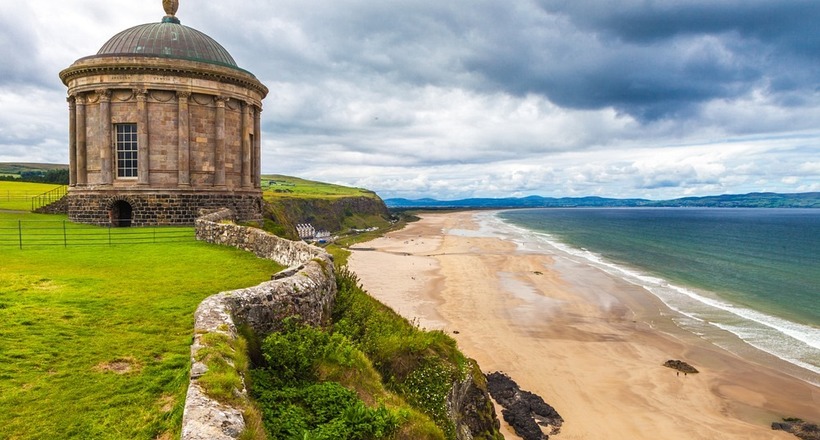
[(590, 344)]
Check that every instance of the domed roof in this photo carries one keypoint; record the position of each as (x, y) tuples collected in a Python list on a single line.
[(168, 39)]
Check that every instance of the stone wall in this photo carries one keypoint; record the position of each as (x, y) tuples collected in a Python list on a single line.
[(160, 208), (57, 207), (264, 245), (308, 291)]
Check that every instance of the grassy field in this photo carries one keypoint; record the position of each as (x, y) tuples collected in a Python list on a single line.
[(95, 340), (275, 185), (22, 230), (17, 195)]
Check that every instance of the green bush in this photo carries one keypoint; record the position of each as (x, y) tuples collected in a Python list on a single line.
[(297, 403)]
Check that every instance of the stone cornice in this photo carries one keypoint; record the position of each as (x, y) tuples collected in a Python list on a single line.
[(131, 65)]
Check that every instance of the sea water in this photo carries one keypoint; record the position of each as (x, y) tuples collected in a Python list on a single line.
[(739, 278)]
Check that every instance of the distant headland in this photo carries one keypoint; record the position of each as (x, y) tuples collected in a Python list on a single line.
[(751, 200)]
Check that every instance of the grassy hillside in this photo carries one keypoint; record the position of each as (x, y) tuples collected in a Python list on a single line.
[(15, 168), (278, 186)]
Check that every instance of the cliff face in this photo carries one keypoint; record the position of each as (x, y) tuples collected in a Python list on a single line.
[(470, 408), (330, 214)]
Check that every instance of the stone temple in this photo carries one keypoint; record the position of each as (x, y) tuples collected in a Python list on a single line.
[(162, 123)]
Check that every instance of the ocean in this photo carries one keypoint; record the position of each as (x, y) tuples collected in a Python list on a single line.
[(739, 278)]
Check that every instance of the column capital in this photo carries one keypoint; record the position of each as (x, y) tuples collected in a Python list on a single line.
[(221, 100), (183, 95), (103, 94), (140, 94), (80, 99), (72, 101)]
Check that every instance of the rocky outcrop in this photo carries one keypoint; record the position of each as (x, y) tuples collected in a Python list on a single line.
[(309, 291), (523, 410), (470, 408), (681, 366), (801, 429)]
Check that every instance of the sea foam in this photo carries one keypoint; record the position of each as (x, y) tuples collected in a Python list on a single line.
[(706, 312)]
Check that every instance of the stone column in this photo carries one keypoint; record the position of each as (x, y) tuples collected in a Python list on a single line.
[(246, 145), (143, 149), (72, 141), (106, 166), (257, 148), (219, 156), (82, 164), (184, 142)]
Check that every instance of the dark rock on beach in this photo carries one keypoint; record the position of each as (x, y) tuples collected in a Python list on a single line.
[(523, 410), (801, 429), (681, 366)]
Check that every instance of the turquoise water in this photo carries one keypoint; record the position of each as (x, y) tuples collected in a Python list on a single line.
[(752, 272)]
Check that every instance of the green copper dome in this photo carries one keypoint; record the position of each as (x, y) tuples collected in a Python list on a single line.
[(168, 39)]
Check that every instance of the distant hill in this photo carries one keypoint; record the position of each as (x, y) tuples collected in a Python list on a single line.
[(751, 200), (15, 168), (34, 172)]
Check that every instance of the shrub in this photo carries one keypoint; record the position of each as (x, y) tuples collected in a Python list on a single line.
[(296, 402), (420, 366)]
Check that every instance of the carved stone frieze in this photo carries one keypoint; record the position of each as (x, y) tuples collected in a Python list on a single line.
[(202, 99), (162, 95)]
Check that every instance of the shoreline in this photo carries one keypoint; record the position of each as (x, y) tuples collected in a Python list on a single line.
[(590, 344)]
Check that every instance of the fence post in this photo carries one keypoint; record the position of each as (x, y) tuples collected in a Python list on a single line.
[(20, 232), (109, 235), (65, 238)]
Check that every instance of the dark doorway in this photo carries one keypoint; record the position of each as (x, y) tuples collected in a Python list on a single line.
[(121, 213)]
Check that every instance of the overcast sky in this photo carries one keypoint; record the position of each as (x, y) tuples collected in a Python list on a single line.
[(463, 98)]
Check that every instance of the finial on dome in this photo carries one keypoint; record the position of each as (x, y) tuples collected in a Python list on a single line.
[(170, 7)]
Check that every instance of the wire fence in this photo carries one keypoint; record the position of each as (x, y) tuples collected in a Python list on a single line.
[(29, 199), (24, 234)]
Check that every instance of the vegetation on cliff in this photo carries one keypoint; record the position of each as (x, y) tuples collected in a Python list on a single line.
[(337, 209), (372, 368)]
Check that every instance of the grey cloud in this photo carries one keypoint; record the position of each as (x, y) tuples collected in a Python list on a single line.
[(19, 53), (479, 97), (654, 60)]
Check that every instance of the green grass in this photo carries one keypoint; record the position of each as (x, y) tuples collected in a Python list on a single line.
[(95, 340), (276, 186), (17, 195), (27, 231)]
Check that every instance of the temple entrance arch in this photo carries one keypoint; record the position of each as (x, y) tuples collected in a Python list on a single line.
[(121, 214)]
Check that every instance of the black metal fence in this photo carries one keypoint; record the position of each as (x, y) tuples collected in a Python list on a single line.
[(48, 197), (33, 233)]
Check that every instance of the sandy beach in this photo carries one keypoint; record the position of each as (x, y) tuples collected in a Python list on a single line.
[(591, 345)]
